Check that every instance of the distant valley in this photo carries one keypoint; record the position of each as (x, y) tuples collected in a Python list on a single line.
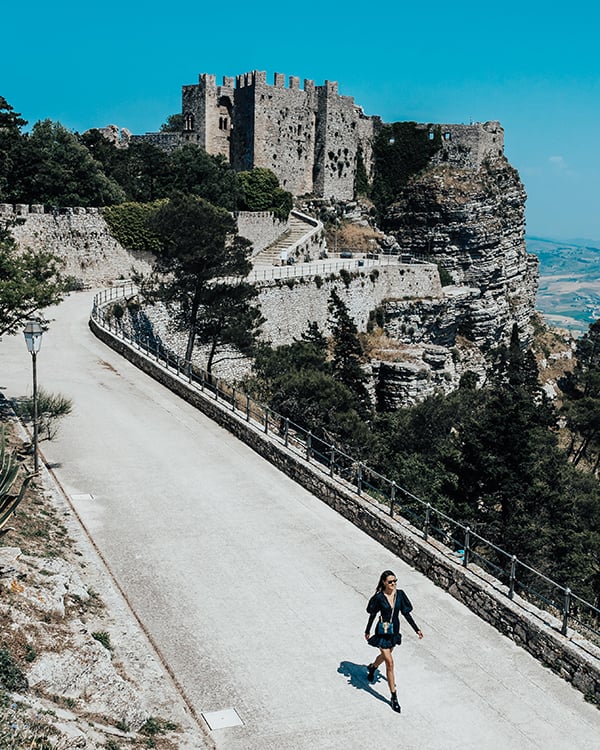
[(569, 291)]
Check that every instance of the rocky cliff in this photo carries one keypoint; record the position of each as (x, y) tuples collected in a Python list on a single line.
[(471, 222)]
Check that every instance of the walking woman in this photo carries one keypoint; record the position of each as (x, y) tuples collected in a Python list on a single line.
[(388, 602)]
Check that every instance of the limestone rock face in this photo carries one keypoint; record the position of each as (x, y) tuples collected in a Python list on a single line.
[(472, 223)]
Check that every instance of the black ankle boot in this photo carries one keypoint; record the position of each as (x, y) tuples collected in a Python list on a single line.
[(394, 703), (371, 672)]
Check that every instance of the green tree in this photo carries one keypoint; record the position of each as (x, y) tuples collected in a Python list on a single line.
[(29, 282), (261, 192), (11, 142), (347, 352), (582, 399), (173, 124), (210, 177), (228, 316), (56, 169), (199, 246), (400, 150)]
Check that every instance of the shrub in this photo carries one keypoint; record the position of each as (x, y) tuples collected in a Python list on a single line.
[(104, 638), (129, 225), (50, 406), (12, 676)]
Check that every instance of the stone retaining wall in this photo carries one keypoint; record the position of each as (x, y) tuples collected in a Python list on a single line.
[(260, 227), (80, 237), (535, 630), (289, 304)]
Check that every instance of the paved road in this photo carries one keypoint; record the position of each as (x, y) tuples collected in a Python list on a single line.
[(255, 591)]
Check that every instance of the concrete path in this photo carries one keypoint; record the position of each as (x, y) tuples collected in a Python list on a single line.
[(255, 591)]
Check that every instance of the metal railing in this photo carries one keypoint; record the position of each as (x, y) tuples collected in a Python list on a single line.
[(452, 538)]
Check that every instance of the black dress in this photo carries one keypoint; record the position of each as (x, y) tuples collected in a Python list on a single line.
[(378, 604)]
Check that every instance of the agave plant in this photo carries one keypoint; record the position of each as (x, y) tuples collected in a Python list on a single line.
[(9, 474)]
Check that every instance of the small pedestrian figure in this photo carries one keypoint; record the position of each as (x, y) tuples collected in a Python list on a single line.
[(388, 602)]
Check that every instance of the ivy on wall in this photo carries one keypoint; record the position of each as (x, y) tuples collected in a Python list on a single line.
[(400, 150), (129, 225)]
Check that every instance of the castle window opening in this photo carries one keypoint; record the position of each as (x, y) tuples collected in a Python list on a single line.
[(431, 135), (447, 135)]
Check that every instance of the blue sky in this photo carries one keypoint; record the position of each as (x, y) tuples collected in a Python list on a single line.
[(534, 69)]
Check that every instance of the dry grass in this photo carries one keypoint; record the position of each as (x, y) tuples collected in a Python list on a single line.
[(353, 237)]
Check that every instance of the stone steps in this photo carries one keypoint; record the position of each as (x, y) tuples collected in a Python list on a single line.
[(271, 256)]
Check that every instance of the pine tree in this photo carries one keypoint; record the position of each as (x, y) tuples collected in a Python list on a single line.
[(347, 352)]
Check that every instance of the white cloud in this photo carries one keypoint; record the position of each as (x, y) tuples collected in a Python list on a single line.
[(558, 162)]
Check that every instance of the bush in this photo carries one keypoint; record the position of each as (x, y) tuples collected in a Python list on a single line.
[(104, 638), (51, 407), (129, 225), (12, 676), (262, 193)]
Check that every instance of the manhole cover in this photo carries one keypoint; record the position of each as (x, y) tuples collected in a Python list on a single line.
[(227, 717)]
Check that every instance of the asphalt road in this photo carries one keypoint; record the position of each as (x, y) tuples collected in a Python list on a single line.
[(254, 591)]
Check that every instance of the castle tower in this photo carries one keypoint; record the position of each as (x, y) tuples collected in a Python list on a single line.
[(207, 114)]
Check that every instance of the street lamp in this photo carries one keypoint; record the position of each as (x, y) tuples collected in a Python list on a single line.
[(33, 338)]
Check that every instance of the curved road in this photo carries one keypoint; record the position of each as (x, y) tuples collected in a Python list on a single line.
[(255, 591)]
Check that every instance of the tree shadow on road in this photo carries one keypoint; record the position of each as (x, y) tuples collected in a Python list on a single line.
[(356, 674)]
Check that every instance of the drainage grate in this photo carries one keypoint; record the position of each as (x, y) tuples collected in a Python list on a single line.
[(227, 717), (85, 496)]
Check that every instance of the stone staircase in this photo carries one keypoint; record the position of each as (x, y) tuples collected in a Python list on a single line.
[(271, 256)]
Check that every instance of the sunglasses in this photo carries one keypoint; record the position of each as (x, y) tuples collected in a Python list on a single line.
[(393, 581)]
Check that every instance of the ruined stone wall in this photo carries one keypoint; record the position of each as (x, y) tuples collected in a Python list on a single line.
[(289, 305), (284, 132), (166, 141), (338, 141), (468, 145), (80, 237)]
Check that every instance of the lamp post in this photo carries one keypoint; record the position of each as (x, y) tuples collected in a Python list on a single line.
[(33, 338)]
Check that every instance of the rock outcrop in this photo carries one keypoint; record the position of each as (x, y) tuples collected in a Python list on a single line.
[(471, 222)]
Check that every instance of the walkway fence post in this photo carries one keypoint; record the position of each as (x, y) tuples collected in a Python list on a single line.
[(467, 548), (513, 576), (308, 445), (392, 498), (427, 521), (566, 611)]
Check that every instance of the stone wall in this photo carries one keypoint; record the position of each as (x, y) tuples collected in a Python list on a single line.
[(80, 237), (290, 304), (468, 145), (260, 227), (534, 630)]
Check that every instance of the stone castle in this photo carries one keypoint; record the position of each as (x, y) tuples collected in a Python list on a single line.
[(310, 137)]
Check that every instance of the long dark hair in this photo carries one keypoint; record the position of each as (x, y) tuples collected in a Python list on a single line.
[(382, 577)]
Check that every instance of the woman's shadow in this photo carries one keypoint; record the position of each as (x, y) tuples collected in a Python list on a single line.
[(356, 674)]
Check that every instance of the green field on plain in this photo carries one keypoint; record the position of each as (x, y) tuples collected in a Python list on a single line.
[(569, 290)]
